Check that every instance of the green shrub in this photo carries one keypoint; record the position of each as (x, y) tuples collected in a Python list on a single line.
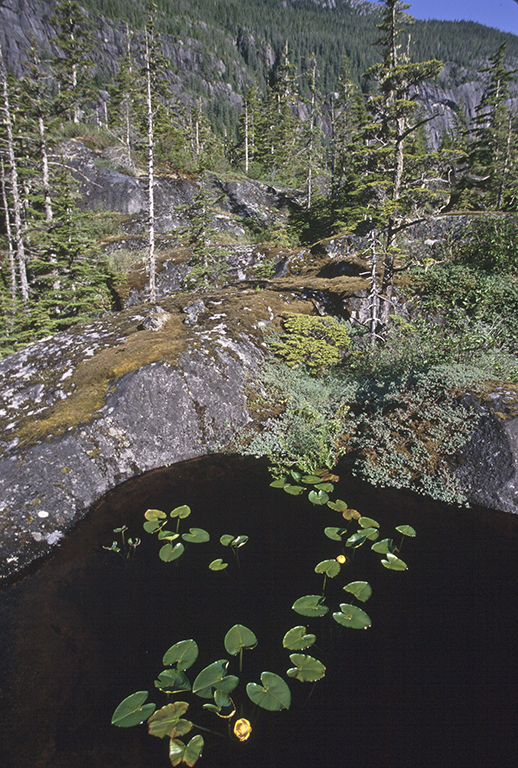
[(316, 342)]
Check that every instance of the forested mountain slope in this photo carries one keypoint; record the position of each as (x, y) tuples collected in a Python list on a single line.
[(217, 49)]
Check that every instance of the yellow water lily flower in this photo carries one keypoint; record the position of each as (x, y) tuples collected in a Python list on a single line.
[(242, 729)]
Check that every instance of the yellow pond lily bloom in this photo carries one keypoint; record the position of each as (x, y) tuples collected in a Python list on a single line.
[(242, 729)]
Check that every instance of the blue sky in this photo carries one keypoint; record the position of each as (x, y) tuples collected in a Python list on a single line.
[(502, 14)]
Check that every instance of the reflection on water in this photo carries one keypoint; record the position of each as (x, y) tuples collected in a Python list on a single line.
[(433, 683)]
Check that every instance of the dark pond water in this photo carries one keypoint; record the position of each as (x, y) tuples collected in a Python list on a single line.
[(433, 683)]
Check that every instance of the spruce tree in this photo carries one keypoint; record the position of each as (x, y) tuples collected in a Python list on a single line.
[(397, 183), (489, 180), (73, 69)]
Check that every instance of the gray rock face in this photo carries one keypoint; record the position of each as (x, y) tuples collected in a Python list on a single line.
[(489, 461), (158, 413)]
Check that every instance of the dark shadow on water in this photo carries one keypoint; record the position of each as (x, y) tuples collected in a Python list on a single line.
[(433, 683)]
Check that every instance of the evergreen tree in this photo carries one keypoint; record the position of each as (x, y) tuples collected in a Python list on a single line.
[(396, 181), (8, 148), (489, 180), (68, 279), (277, 136), (245, 149), (73, 69)]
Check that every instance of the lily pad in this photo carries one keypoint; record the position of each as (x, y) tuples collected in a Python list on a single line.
[(151, 526), (239, 541), (189, 754), (334, 533), (356, 540), (327, 487), (368, 522), (406, 530), (239, 637), (169, 535), (310, 605), (371, 533), (280, 483), (306, 669), (172, 681), (294, 490), (210, 678), (394, 563), (218, 565), (338, 505), (318, 497), (274, 694), (360, 589), (226, 539), (183, 654), (181, 512), (154, 514), (168, 721), (384, 546), (168, 553), (296, 639), (330, 567), (352, 616), (311, 479), (196, 536), (132, 710)]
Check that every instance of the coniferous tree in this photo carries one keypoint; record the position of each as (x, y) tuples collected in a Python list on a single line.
[(489, 180), (73, 69), (15, 193), (396, 182), (278, 137)]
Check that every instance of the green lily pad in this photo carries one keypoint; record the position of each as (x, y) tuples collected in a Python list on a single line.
[(356, 540), (228, 684), (132, 710), (334, 533), (384, 546), (168, 721), (226, 539), (310, 605), (360, 589), (154, 514), (327, 487), (406, 530), (368, 522), (239, 541), (196, 536), (210, 678), (371, 533), (181, 512), (239, 637), (152, 526), (297, 476), (330, 567), (168, 553), (183, 654), (172, 681), (169, 535), (306, 669), (280, 483), (296, 639), (311, 479), (318, 497), (189, 754), (338, 505), (294, 490), (218, 565), (274, 694), (394, 563), (352, 616)]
